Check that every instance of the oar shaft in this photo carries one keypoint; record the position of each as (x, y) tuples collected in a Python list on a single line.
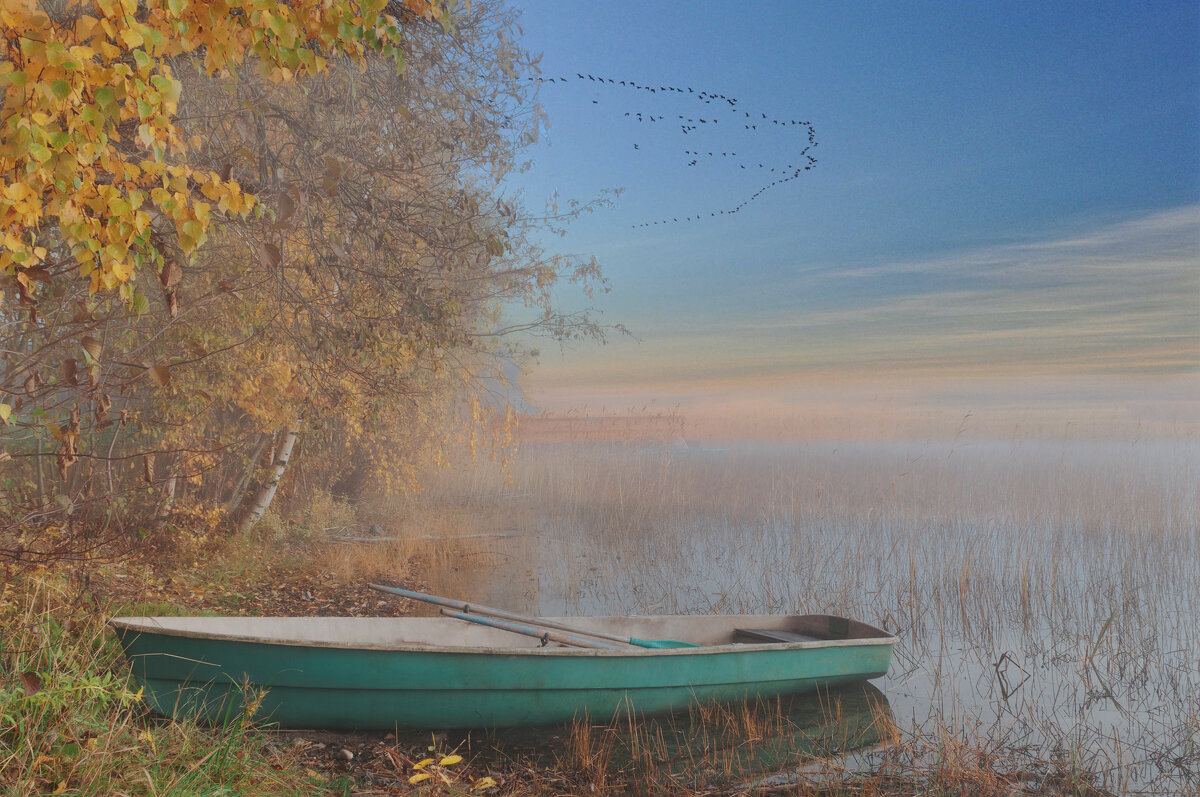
[(529, 630), (474, 608)]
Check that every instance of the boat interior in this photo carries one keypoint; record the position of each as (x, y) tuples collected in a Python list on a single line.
[(391, 633)]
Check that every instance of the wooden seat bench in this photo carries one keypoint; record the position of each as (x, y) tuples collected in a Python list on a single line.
[(760, 635)]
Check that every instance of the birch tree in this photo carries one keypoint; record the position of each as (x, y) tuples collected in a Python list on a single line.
[(341, 309)]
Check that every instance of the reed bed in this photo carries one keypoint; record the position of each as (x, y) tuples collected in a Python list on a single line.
[(1045, 593)]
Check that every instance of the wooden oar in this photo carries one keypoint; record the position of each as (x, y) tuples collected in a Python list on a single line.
[(520, 618), (533, 631)]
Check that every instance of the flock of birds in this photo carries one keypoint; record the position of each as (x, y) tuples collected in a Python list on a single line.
[(782, 173)]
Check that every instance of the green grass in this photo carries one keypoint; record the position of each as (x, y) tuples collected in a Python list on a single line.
[(72, 722)]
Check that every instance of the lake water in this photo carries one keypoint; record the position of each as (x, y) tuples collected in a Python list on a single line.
[(1046, 594)]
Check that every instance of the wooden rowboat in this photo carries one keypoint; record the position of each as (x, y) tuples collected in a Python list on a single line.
[(437, 672)]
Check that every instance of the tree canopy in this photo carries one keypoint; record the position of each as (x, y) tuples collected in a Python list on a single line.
[(226, 224)]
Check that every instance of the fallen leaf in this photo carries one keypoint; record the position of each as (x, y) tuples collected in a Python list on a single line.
[(287, 207), (161, 374), (92, 347), (270, 256), (40, 274), (171, 274), (103, 404), (70, 371), (31, 682)]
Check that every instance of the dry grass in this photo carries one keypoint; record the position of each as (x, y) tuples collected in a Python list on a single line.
[(839, 743), (1045, 596), (1045, 592)]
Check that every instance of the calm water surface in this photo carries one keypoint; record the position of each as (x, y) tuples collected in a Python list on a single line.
[(1045, 594)]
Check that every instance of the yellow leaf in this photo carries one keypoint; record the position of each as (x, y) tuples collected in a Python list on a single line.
[(449, 760), (420, 776), (5, 412), (122, 270), (132, 37), (109, 50), (86, 26), (422, 764), (17, 191), (487, 782)]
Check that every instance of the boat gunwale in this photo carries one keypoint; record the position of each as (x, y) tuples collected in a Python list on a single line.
[(130, 624)]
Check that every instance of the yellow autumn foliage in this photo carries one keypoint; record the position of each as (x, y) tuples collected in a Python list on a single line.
[(91, 149), (317, 263)]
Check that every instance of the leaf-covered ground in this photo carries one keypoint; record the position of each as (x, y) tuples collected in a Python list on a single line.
[(286, 581)]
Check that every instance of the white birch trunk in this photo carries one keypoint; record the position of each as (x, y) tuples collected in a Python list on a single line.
[(266, 492), (168, 498)]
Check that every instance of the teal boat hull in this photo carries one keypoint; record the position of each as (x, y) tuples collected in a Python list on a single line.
[(357, 679)]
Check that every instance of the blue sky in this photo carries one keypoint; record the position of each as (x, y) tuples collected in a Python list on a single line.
[(1003, 189)]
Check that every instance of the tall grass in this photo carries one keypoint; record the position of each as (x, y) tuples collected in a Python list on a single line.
[(71, 721), (1046, 593)]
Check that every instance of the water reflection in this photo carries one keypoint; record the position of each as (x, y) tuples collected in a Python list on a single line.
[(1044, 591)]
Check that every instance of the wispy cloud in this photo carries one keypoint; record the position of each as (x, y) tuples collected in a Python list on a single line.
[(1117, 300)]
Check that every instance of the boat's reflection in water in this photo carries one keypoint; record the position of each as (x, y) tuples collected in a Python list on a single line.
[(706, 744)]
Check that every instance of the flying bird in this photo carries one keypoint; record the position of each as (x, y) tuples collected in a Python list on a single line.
[(784, 173)]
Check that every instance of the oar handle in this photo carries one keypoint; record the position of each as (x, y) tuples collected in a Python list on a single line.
[(474, 608), (529, 630)]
